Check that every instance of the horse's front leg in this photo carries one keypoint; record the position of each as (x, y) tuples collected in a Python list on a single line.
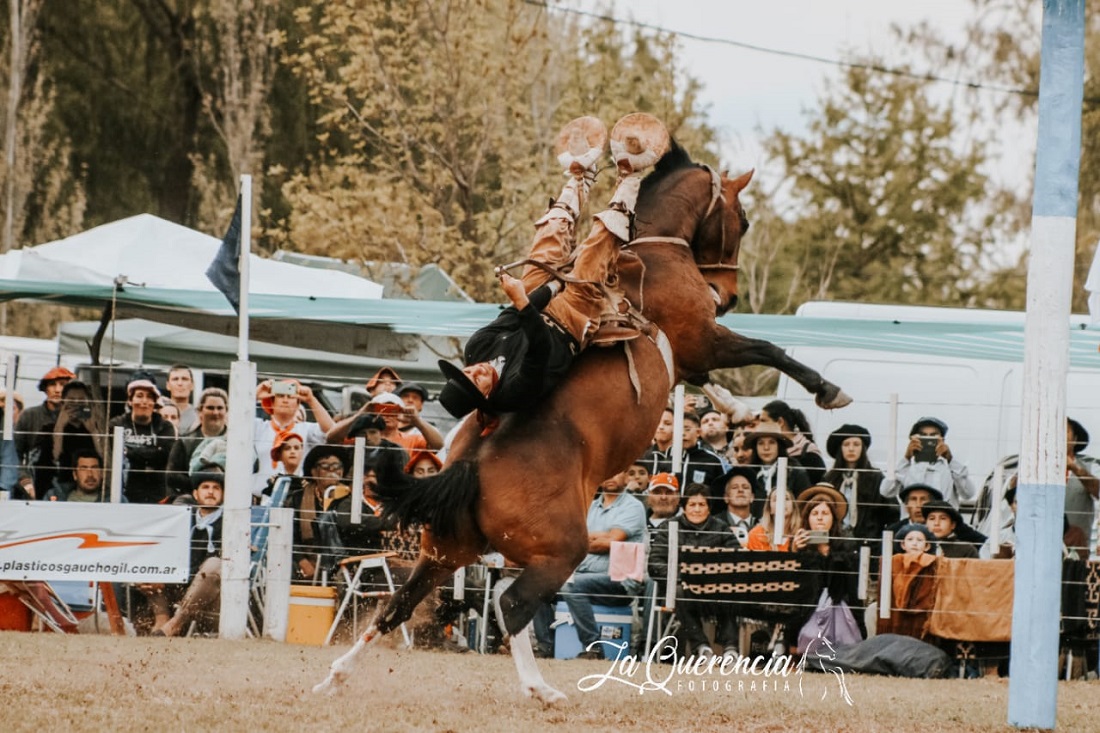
[(734, 350)]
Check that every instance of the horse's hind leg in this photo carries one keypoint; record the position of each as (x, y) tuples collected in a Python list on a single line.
[(734, 350), (427, 574)]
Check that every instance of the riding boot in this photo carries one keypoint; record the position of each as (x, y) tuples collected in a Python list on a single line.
[(637, 142), (579, 146)]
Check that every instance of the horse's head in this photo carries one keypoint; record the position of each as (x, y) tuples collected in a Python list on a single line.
[(717, 242), (682, 201)]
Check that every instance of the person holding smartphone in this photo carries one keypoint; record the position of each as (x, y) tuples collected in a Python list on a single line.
[(929, 460)]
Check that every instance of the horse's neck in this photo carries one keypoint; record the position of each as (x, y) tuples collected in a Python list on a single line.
[(679, 207)]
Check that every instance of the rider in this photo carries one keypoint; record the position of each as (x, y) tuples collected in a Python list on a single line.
[(527, 350)]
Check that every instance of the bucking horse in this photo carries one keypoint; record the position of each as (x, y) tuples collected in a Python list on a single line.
[(524, 489)]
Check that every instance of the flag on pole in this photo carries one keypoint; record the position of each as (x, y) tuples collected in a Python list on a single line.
[(1092, 284), (225, 272)]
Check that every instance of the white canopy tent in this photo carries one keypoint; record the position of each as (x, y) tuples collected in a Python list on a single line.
[(154, 269)]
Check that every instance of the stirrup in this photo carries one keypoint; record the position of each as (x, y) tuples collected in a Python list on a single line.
[(637, 142), (580, 145), (613, 332)]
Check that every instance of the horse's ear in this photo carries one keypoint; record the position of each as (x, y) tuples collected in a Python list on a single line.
[(741, 181)]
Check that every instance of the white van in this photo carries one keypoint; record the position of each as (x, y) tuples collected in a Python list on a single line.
[(34, 357), (980, 400)]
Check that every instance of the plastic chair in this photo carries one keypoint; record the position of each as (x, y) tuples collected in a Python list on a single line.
[(353, 591)]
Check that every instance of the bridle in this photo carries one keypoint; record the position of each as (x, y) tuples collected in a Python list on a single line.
[(716, 198)]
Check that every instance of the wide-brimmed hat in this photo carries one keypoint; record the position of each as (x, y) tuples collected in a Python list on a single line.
[(58, 373), (937, 495), (830, 494), (666, 480), (459, 395), (319, 452), (418, 456), (838, 436), (766, 429), (384, 371), (933, 422), (718, 485), (638, 140), (939, 505)]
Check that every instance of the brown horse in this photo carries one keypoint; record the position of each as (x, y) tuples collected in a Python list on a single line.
[(524, 490)]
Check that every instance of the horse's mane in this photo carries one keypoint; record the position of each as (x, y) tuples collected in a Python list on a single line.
[(676, 159)]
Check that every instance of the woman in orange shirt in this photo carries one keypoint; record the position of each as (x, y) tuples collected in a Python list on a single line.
[(761, 536)]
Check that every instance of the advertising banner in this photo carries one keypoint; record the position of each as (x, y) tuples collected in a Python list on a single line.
[(128, 543)]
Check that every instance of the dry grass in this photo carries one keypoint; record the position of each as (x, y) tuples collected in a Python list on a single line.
[(88, 683)]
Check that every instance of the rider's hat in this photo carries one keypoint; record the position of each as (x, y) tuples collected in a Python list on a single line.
[(459, 395)]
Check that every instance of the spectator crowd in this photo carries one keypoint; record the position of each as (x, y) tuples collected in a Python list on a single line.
[(724, 490)]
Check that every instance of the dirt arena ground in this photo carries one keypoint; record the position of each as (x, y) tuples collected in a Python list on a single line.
[(93, 683)]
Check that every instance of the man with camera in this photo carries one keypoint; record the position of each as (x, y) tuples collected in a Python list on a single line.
[(78, 426), (929, 460)]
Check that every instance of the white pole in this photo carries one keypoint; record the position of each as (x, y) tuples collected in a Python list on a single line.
[(673, 562), (280, 547), (886, 576), (1040, 490), (892, 468), (460, 584), (677, 430), (780, 501), (357, 481), (243, 262), (9, 402), (864, 572), (236, 519), (117, 444), (995, 509)]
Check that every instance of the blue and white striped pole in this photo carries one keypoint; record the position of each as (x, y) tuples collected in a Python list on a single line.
[(1033, 684)]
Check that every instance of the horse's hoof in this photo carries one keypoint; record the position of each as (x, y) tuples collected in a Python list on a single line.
[(832, 398), (330, 686), (544, 693)]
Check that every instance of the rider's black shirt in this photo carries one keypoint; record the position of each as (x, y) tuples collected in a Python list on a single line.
[(530, 351)]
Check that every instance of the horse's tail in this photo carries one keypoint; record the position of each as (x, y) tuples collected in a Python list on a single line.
[(438, 501)]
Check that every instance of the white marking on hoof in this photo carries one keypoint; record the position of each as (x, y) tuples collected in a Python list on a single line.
[(544, 693), (332, 685)]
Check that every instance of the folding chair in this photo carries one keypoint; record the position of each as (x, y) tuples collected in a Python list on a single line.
[(258, 534), (353, 592)]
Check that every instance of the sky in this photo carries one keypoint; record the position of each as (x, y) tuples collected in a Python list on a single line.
[(749, 92)]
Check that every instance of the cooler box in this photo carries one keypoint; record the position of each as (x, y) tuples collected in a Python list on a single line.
[(14, 616), (312, 611), (613, 623)]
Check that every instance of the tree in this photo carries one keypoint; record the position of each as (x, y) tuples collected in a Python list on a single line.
[(42, 199), (436, 121), (1002, 49), (884, 201), (237, 52)]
